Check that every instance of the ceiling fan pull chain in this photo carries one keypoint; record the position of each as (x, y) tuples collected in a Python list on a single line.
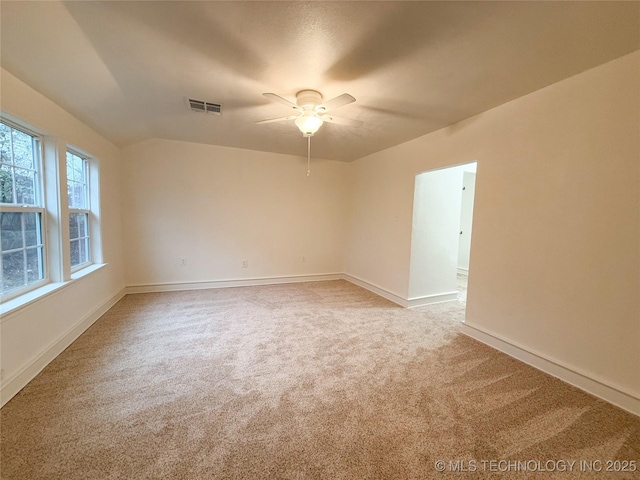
[(308, 156)]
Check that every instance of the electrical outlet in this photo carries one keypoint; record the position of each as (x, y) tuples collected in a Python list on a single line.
[(183, 262), (245, 264)]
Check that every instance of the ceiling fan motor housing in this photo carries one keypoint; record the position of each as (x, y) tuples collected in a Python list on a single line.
[(308, 98)]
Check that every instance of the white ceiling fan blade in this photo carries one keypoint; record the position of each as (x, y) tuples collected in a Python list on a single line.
[(280, 119), (340, 120), (336, 102), (279, 99)]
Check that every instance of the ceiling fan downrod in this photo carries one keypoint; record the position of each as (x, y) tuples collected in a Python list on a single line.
[(309, 156)]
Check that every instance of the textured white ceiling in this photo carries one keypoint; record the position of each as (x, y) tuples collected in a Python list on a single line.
[(125, 68)]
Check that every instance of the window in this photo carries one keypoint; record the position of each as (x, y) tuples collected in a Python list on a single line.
[(21, 211), (79, 209), (38, 254)]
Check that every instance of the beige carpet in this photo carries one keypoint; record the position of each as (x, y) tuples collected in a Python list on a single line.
[(307, 381)]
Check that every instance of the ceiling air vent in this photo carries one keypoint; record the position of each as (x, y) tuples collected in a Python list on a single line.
[(204, 107)]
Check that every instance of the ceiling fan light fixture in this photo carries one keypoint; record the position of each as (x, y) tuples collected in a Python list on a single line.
[(308, 123), (312, 111)]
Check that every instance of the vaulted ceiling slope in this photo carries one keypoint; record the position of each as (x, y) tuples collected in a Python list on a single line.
[(126, 68)]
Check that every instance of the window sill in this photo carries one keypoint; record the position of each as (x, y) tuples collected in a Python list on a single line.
[(86, 270), (22, 301)]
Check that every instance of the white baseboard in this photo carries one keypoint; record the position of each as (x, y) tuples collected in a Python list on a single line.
[(248, 282), (33, 367), (403, 302), (431, 299), (597, 387)]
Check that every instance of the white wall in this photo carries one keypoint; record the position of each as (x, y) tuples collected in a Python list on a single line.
[(435, 233), (217, 206), (555, 254), (466, 220), (33, 335), (380, 219)]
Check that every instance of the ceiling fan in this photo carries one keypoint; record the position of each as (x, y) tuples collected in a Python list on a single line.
[(312, 112)]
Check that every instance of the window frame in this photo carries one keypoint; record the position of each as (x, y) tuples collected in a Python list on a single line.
[(86, 211), (50, 185), (38, 208)]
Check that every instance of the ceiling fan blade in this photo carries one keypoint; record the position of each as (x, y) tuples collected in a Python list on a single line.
[(340, 120), (280, 119), (336, 102), (279, 99)]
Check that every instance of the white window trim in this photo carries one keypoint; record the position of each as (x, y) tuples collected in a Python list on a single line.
[(55, 210), (87, 210), (39, 208), (93, 203)]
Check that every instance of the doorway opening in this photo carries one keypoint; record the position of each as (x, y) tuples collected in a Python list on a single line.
[(441, 234)]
